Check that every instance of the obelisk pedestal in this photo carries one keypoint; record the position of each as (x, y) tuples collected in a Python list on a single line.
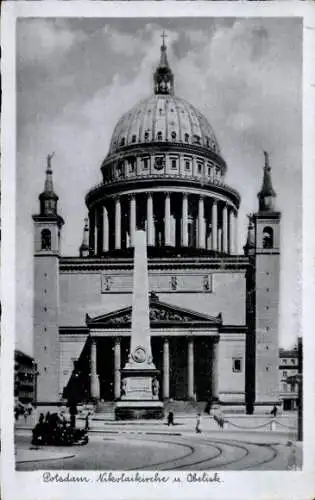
[(140, 385)]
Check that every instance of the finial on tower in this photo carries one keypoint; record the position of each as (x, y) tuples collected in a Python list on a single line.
[(267, 193), (49, 181), (48, 198), (163, 78)]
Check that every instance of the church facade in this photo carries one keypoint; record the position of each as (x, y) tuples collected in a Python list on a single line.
[(213, 310)]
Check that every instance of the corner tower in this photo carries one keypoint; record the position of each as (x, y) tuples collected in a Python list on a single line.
[(267, 270), (47, 225)]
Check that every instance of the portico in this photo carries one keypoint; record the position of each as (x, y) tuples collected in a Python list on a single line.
[(177, 338)]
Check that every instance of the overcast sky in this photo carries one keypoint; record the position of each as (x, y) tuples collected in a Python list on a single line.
[(76, 77)]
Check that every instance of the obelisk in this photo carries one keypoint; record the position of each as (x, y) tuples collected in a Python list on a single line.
[(140, 386), (140, 344)]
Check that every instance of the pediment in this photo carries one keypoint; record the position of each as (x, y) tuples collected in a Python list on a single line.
[(161, 314)]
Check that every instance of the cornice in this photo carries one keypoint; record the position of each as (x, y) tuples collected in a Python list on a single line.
[(93, 264), (154, 181)]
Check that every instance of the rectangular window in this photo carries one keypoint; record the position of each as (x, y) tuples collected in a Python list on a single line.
[(284, 373), (292, 387), (174, 164), (187, 165), (131, 167), (284, 361), (145, 163), (237, 365), (199, 168)]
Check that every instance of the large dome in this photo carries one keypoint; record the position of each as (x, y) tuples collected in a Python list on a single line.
[(163, 118), (163, 173)]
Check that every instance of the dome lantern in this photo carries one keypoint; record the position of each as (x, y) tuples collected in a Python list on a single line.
[(163, 78)]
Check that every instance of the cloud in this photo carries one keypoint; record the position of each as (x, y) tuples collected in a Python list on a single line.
[(40, 39)]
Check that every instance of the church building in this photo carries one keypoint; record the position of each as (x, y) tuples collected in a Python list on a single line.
[(213, 309)]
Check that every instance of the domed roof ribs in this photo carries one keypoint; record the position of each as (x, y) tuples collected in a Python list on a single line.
[(267, 194), (163, 78)]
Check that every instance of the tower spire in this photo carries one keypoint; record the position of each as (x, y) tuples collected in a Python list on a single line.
[(163, 78), (84, 247), (267, 194), (48, 198), (250, 242)]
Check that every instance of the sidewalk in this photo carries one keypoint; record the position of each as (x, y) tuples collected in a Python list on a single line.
[(36, 454)]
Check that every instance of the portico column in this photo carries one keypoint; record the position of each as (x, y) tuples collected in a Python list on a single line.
[(150, 222), (117, 224), (190, 365), (185, 221), (132, 220), (166, 369), (95, 384), (215, 370), (105, 230), (214, 235), (117, 364), (167, 220), (201, 223), (225, 229)]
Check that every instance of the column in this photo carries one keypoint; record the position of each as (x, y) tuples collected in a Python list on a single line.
[(105, 230), (167, 220), (96, 232), (225, 229), (150, 222), (235, 243), (231, 235), (117, 224), (166, 369), (215, 370), (214, 235), (132, 220), (185, 221), (190, 365), (117, 364), (201, 223), (95, 384)]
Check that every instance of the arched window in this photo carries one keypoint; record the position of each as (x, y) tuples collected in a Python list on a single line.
[(186, 137), (159, 136), (134, 138), (122, 141), (173, 135), (46, 239), (146, 136), (267, 237)]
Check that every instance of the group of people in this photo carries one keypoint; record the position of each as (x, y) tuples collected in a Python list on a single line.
[(55, 429), (22, 410)]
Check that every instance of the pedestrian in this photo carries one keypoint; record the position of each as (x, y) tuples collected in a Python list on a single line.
[(25, 415), (73, 412), (208, 408), (170, 418), (274, 411), (87, 422), (29, 409), (198, 422)]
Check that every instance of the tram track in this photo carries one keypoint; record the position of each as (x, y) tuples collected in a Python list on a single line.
[(221, 448)]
